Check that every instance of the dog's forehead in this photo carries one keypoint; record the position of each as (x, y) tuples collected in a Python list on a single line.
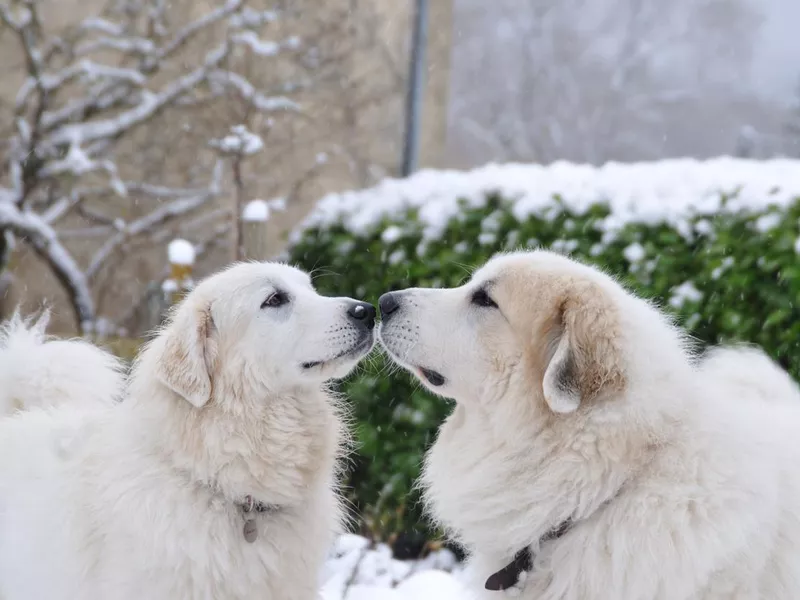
[(288, 275), (509, 267), (540, 271), (258, 276)]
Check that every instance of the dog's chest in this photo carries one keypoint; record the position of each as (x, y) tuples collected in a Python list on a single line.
[(212, 559)]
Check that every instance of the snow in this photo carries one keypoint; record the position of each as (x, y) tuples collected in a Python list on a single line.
[(278, 204), (391, 234), (255, 211), (258, 46), (685, 292), (634, 253), (359, 570), (239, 141), (668, 191), (249, 92), (249, 17), (180, 252), (768, 222)]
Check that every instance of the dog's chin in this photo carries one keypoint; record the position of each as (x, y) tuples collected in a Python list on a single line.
[(429, 376), (341, 364)]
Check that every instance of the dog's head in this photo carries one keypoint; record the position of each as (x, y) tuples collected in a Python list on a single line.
[(260, 323), (533, 321)]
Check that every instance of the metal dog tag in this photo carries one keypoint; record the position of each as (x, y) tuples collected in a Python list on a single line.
[(250, 530)]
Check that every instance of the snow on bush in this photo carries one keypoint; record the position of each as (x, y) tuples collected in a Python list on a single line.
[(714, 242), (670, 191)]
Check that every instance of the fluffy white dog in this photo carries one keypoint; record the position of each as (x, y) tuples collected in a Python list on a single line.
[(588, 455), (36, 371), (215, 478)]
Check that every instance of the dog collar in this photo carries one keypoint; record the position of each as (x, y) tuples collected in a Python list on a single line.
[(509, 576), (250, 507)]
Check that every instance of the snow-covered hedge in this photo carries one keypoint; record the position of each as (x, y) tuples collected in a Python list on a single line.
[(716, 242)]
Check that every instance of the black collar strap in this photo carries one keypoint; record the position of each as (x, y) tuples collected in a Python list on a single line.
[(508, 576)]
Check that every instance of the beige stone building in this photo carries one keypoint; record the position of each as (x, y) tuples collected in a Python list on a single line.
[(349, 79)]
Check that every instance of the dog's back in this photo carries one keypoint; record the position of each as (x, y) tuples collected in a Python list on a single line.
[(749, 373), (39, 372)]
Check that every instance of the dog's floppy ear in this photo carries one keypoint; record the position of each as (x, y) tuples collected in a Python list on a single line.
[(188, 355), (587, 358)]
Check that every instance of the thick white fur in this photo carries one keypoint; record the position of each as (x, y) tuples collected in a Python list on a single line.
[(139, 500), (752, 372), (37, 371), (680, 486)]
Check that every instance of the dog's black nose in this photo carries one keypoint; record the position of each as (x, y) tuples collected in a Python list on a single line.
[(389, 304), (363, 312)]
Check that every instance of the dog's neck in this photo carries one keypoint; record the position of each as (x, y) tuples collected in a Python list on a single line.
[(274, 450), (526, 483)]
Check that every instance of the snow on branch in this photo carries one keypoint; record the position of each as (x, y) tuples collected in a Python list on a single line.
[(43, 238), (161, 215), (87, 89), (221, 79)]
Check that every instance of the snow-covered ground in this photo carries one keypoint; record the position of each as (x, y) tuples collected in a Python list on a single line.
[(359, 570)]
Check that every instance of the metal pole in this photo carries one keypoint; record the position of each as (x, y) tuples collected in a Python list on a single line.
[(415, 88)]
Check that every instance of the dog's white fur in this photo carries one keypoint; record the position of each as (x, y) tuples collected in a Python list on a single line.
[(37, 371), (750, 371), (576, 399), (140, 500)]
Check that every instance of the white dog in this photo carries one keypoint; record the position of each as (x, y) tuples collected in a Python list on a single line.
[(39, 372), (588, 456), (215, 478)]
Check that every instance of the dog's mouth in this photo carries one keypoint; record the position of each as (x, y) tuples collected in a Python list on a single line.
[(362, 347), (435, 378)]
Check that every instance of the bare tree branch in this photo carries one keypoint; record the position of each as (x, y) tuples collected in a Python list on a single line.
[(33, 229)]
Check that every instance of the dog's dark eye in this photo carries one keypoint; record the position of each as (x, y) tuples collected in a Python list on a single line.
[(481, 298), (275, 300)]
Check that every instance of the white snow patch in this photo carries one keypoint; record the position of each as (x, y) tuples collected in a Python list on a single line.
[(767, 222), (278, 204), (727, 263), (257, 45), (239, 141), (669, 191), (704, 227), (685, 292), (359, 570), (634, 253), (256, 211), (180, 252), (391, 234), (249, 17)]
